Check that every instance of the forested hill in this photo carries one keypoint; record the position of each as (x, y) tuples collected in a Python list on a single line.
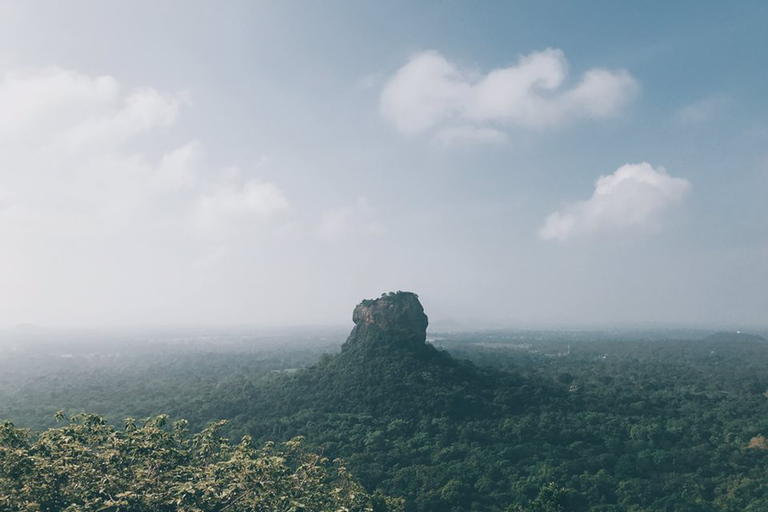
[(397, 408), (386, 367)]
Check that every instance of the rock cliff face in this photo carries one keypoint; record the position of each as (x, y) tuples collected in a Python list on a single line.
[(394, 320)]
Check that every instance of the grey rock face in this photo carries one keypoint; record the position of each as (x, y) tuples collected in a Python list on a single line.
[(394, 319)]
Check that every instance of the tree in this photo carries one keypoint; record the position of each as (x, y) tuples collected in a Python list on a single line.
[(87, 465), (551, 498)]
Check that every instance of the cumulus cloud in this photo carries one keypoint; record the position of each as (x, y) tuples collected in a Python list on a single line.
[(230, 204), (470, 134), (61, 98), (80, 157), (431, 93), (348, 220), (180, 167), (633, 197), (141, 112)]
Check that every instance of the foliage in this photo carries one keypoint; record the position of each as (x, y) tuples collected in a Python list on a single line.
[(551, 498), (88, 465)]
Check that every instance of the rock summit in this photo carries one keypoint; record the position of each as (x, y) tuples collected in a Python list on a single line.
[(395, 319)]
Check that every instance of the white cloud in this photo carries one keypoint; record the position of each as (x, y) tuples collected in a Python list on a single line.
[(230, 205), (76, 161), (101, 217), (141, 112), (348, 220), (633, 197), (56, 96), (470, 134), (180, 167), (425, 91), (430, 92)]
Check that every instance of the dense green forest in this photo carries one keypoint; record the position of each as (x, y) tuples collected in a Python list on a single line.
[(484, 421), (87, 466)]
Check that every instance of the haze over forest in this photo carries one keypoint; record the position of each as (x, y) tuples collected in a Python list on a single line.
[(271, 163)]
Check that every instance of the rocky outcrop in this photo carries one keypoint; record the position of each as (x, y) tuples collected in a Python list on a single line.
[(395, 320)]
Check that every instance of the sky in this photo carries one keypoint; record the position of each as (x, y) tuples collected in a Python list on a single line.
[(516, 164)]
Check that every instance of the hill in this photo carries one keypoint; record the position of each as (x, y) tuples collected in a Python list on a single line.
[(386, 367), (402, 412)]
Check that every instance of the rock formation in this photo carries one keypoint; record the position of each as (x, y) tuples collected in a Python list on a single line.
[(395, 320)]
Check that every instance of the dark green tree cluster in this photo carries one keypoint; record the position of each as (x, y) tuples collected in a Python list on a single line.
[(88, 466)]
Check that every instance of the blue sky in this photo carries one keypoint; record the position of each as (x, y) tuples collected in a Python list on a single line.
[(274, 163)]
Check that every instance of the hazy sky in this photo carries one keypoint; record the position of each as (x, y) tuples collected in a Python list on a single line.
[(520, 164)]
